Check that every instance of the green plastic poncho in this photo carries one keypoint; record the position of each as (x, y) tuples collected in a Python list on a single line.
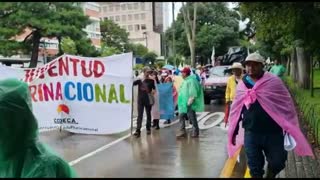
[(21, 153), (190, 87)]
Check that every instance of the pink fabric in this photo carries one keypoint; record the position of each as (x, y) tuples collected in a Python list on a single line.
[(175, 96), (155, 111), (275, 99)]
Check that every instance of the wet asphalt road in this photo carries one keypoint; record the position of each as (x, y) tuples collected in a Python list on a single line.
[(157, 155)]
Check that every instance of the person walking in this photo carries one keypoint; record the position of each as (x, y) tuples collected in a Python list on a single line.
[(146, 89), (264, 106), (190, 101), (278, 69), (234, 79), (22, 155)]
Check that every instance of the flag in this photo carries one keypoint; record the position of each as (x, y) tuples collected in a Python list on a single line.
[(166, 104)]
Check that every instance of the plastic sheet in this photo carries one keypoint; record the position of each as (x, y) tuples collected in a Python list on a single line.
[(21, 153)]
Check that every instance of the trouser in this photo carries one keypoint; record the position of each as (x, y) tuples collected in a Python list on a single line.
[(141, 108), (191, 114), (272, 146)]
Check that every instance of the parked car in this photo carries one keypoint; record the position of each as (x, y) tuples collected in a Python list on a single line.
[(215, 85)]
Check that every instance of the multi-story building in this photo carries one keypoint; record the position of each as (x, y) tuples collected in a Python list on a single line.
[(143, 21)]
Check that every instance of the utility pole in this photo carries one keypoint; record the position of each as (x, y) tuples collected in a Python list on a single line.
[(173, 31)]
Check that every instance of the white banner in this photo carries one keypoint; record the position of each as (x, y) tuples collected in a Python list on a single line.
[(80, 94)]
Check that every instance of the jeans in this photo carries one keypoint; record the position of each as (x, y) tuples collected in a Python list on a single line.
[(141, 108), (191, 114), (273, 148)]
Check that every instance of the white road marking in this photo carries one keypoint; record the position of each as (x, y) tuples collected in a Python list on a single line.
[(72, 163)]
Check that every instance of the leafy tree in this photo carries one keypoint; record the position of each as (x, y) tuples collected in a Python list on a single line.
[(44, 19), (68, 46), (109, 51), (216, 25), (138, 50), (150, 57), (113, 35), (287, 28), (85, 48)]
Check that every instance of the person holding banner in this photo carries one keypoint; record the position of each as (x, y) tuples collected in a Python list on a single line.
[(22, 155), (155, 112), (166, 78), (190, 101), (146, 90)]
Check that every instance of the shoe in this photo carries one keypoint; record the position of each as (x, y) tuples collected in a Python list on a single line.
[(195, 135), (167, 121), (181, 134), (154, 123), (137, 133), (148, 131), (157, 124)]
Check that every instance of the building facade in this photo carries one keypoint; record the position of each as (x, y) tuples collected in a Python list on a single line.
[(143, 21)]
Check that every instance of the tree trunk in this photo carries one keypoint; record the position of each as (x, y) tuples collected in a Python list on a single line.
[(293, 65), (288, 68), (35, 49), (59, 46), (303, 61), (193, 54)]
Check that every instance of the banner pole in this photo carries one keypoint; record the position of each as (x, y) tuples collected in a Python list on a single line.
[(132, 98)]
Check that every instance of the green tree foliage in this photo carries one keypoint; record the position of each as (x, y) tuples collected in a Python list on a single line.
[(68, 46), (45, 19), (109, 51), (216, 26), (150, 57), (137, 50), (113, 35), (85, 48)]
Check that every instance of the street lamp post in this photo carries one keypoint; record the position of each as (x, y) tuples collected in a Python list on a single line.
[(145, 36)]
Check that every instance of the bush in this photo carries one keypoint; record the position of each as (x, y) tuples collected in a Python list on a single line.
[(308, 106), (138, 67)]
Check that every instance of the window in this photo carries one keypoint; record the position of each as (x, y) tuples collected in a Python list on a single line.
[(106, 18), (136, 16), (118, 7), (105, 9), (117, 18), (111, 8), (129, 6), (143, 27), (143, 16), (136, 5), (136, 27), (124, 17), (123, 7), (129, 17), (130, 28), (111, 18), (142, 5)]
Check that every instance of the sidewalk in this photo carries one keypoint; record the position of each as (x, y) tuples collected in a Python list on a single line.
[(302, 167)]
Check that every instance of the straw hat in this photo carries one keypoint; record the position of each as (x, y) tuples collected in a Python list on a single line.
[(236, 65)]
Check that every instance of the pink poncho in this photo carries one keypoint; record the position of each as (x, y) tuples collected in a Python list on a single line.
[(275, 99)]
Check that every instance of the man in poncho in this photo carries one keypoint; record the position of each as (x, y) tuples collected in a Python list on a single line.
[(21, 153), (190, 101), (266, 109)]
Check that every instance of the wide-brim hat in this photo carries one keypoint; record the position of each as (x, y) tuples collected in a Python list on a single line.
[(255, 57), (236, 65)]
